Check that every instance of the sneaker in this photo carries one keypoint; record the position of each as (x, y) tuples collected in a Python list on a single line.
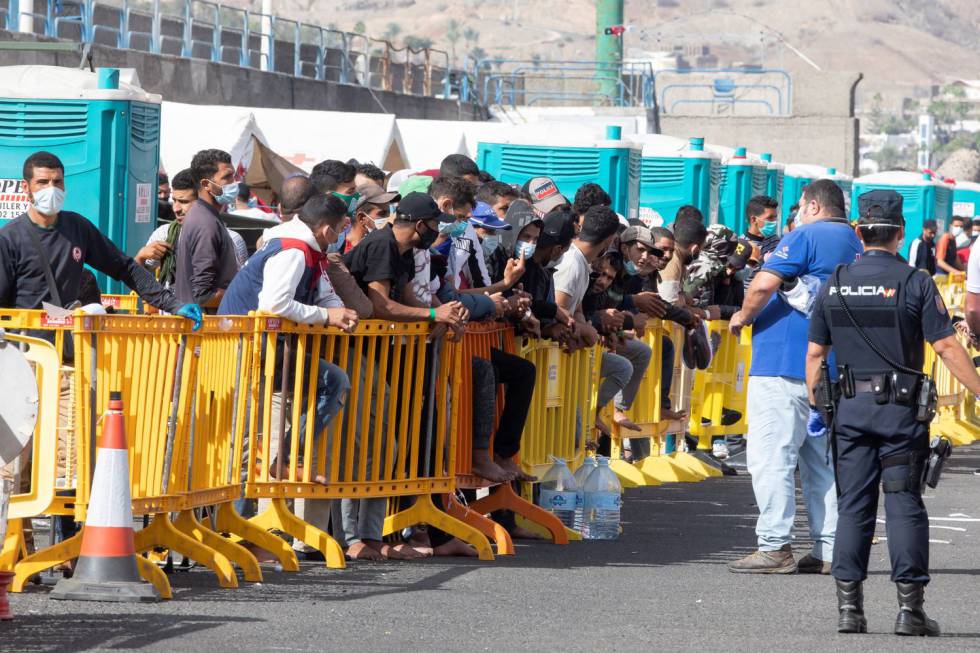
[(808, 564), (766, 562), (719, 450)]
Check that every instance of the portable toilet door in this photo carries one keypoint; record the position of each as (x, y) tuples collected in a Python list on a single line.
[(570, 160), (923, 198), (966, 199), (774, 177), (796, 177), (675, 173), (735, 187), (107, 135)]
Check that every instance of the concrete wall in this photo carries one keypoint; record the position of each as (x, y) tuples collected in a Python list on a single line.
[(824, 140), (196, 81), (822, 129)]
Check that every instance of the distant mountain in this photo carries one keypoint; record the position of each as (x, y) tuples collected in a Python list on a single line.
[(902, 46)]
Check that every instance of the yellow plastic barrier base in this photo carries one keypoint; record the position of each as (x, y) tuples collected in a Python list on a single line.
[(45, 559), (188, 524), (695, 465), (229, 521), (152, 574), (163, 533), (630, 474), (959, 433), (423, 511), (667, 470), (278, 517)]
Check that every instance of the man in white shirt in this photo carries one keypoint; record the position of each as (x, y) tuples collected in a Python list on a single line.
[(600, 224)]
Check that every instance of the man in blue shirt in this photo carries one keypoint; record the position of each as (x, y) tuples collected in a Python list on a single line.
[(777, 304)]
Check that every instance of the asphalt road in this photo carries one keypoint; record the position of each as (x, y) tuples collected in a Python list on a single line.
[(662, 586)]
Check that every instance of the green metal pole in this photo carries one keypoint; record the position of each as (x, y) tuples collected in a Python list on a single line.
[(608, 48)]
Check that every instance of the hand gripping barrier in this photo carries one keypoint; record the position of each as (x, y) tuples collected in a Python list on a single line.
[(478, 342), (562, 412), (391, 438)]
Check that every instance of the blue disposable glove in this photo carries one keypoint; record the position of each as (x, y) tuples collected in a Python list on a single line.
[(193, 313), (815, 427)]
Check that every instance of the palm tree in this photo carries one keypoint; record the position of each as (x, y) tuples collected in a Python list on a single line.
[(452, 35)]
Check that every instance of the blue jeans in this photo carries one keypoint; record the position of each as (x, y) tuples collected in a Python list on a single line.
[(332, 385), (777, 442)]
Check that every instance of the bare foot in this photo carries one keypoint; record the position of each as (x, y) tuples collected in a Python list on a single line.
[(511, 466), (521, 533), (455, 548), (420, 540), (601, 426), (261, 555), (361, 551), (412, 552), (672, 415), (486, 468), (389, 552), (624, 422)]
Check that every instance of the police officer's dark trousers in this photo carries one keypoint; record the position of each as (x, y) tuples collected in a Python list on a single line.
[(874, 445)]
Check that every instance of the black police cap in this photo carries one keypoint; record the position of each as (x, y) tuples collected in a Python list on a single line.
[(881, 207)]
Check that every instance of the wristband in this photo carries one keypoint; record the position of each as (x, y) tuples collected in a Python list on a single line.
[(432, 315)]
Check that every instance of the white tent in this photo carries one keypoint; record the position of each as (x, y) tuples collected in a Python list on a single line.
[(185, 129), (427, 142), (305, 138)]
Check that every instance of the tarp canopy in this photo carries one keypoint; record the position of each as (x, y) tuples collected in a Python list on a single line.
[(185, 129), (266, 172), (428, 142), (304, 138)]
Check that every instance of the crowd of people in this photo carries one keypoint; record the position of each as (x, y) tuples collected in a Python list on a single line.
[(452, 246)]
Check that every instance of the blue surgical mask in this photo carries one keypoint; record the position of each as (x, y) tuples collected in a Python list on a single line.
[(341, 239), (768, 228), (229, 193), (630, 268), (527, 249), (490, 243)]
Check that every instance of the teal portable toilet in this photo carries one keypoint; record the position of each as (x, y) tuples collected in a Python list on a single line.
[(923, 198), (570, 160), (798, 175), (738, 180), (674, 173), (966, 199), (105, 132)]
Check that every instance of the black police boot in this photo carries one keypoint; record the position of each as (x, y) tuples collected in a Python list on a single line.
[(912, 619), (850, 604)]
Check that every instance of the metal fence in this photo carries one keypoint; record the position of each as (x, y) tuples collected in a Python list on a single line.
[(211, 31)]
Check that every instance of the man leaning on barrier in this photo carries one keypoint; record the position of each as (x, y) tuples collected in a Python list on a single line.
[(43, 252), (287, 278)]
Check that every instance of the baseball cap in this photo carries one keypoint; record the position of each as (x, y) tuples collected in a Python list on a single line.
[(544, 194), (741, 256), (419, 206), (374, 194), (484, 216), (880, 207), (557, 229), (415, 184), (640, 235)]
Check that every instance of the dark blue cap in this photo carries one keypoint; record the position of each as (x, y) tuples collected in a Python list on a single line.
[(880, 207)]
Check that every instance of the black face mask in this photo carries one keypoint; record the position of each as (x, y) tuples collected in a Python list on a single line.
[(428, 237)]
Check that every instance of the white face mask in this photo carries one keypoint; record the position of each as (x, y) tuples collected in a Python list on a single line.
[(380, 223), (955, 231), (490, 244), (49, 200)]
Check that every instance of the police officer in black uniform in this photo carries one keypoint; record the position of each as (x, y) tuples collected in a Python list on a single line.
[(878, 435)]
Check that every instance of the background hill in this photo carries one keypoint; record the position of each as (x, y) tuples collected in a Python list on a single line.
[(902, 46)]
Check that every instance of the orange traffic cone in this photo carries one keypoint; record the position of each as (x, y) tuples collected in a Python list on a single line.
[(106, 569)]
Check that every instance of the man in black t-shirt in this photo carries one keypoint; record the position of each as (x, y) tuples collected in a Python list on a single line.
[(48, 242)]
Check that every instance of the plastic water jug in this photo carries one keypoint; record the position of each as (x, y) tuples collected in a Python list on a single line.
[(559, 492), (602, 501)]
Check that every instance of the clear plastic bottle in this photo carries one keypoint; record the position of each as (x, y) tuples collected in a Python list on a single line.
[(603, 498), (581, 475), (558, 493)]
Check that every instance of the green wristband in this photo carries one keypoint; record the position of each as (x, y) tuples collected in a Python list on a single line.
[(432, 315)]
